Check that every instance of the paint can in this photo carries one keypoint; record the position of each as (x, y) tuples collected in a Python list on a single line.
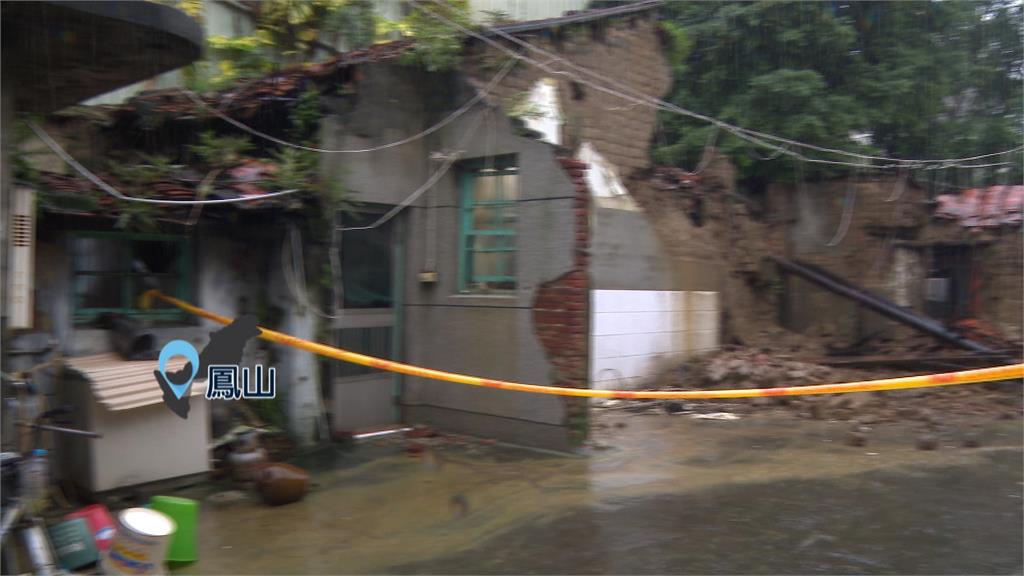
[(100, 522), (140, 545)]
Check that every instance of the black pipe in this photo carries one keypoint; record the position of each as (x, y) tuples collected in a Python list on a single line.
[(884, 307)]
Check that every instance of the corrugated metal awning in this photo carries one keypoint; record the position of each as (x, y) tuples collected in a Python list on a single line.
[(121, 384)]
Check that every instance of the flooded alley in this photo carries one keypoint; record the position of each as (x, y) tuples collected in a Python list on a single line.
[(662, 494), (512, 287)]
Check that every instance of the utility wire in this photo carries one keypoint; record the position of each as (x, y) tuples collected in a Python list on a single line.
[(117, 194), (437, 175), (556, 58), (752, 136), (447, 120)]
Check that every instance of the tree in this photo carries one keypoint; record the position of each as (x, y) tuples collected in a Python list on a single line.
[(917, 79), (291, 32)]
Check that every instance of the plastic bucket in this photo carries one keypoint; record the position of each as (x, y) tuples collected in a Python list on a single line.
[(100, 523), (185, 513), (140, 545)]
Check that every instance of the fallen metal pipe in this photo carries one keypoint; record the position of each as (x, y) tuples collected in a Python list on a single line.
[(884, 307)]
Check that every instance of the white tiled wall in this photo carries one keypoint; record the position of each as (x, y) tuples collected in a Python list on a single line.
[(634, 333)]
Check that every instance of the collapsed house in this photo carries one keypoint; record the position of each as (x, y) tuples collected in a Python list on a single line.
[(855, 268), (501, 220), (502, 241)]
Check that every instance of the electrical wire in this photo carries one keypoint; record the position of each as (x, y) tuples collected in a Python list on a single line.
[(447, 120), (751, 136), (437, 175), (70, 161), (556, 58)]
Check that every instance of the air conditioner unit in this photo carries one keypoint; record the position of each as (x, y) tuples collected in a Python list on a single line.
[(21, 245)]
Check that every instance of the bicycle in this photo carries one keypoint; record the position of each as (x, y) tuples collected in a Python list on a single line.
[(22, 517)]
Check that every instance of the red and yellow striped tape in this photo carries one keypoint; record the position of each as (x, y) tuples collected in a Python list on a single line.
[(995, 373)]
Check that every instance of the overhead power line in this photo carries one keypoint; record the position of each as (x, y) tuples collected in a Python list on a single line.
[(481, 94), (752, 136), (67, 158)]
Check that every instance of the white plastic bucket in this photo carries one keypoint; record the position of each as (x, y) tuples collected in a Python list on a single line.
[(140, 545)]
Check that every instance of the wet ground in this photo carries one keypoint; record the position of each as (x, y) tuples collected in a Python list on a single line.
[(664, 494)]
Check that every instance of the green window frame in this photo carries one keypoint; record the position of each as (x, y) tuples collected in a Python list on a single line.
[(488, 216), (177, 280)]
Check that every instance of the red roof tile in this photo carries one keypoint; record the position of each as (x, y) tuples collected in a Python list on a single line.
[(983, 207)]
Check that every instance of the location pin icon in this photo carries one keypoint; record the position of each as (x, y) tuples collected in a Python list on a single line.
[(179, 348)]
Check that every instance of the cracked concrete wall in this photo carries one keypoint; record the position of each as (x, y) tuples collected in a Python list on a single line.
[(487, 334)]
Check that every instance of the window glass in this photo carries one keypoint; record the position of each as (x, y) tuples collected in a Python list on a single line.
[(366, 262), (112, 270), (488, 225)]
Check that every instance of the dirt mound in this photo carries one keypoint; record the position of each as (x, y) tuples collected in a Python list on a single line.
[(745, 368)]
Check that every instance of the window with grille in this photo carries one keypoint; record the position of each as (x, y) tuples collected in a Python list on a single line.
[(111, 270), (488, 214)]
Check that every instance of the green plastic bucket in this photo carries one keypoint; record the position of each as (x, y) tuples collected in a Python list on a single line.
[(185, 512)]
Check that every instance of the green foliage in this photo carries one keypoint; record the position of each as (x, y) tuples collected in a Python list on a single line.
[(355, 22), (298, 27), (287, 32), (193, 8), (151, 168), (295, 168), (679, 47), (293, 26), (233, 60), (299, 169), (220, 151), (305, 116), (923, 79), (438, 46), (137, 217), (135, 178), (521, 107), (22, 168)]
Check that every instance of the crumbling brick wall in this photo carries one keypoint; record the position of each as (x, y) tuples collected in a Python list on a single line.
[(627, 49), (812, 216), (561, 311), (999, 271), (887, 220)]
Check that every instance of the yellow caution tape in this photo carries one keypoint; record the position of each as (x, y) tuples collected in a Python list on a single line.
[(995, 373)]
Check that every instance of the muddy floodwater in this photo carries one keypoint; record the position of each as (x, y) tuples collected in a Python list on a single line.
[(663, 494)]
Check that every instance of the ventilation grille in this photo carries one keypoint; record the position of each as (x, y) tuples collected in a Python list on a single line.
[(21, 231)]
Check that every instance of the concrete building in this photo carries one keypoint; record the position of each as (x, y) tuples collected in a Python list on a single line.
[(47, 66), (236, 18), (511, 245), (56, 54)]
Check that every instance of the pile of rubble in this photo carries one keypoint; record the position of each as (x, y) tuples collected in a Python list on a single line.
[(760, 368)]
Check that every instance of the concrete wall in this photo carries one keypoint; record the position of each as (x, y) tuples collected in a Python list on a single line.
[(228, 281), (887, 250), (490, 334), (865, 254), (626, 254), (626, 49), (635, 334), (1000, 276), (520, 10)]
